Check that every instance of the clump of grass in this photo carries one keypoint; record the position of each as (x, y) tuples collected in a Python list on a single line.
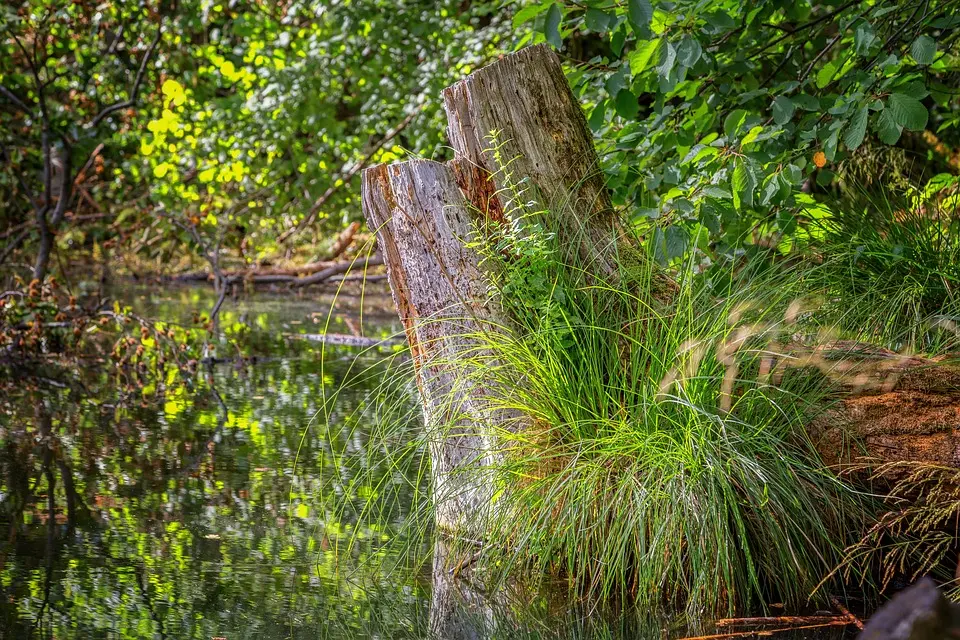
[(658, 452), (658, 463), (891, 269)]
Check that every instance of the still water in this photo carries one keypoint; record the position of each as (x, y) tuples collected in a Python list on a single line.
[(228, 507)]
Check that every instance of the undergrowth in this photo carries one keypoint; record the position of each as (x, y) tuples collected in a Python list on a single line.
[(655, 450), (891, 268)]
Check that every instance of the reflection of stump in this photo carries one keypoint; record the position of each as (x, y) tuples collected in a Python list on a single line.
[(457, 612)]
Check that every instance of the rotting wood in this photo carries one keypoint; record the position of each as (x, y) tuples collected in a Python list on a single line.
[(915, 417)]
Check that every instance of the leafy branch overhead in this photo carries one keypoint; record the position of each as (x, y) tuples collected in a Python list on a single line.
[(720, 117)]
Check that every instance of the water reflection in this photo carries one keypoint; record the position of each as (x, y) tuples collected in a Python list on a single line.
[(219, 509)]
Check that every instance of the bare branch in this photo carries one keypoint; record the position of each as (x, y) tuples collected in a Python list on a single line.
[(117, 106), (12, 97)]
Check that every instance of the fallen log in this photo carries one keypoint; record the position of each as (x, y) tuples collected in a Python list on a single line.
[(317, 273)]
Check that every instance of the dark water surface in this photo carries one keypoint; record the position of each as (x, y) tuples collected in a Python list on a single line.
[(218, 510)]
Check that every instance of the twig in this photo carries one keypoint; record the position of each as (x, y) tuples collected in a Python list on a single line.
[(116, 106), (768, 632), (777, 620), (12, 97), (846, 612), (337, 269)]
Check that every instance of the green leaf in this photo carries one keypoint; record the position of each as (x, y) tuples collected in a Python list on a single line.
[(907, 111), (733, 122), (752, 135), (626, 104), (856, 128), (806, 102), (689, 51), (528, 13), (668, 58), (783, 109), (863, 37), (887, 128), (826, 74), (598, 116), (616, 82), (640, 13), (551, 27), (743, 184), (597, 20), (923, 50), (644, 56), (617, 39)]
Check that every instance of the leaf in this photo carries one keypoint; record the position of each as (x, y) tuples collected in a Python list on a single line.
[(826, 74), (617, 38), (626, 104), (752, 135), (598, 116), (733, 122), (863, 38), (783, 110), (743, 184), (689, 51), (616, 82), (856, 128), (640, 13), (527, 14), (806, 102), (597, 20), (908, 111), (551, 27), (887, 128), (675, 241), (667, 59), (644, 56), (923, 50)]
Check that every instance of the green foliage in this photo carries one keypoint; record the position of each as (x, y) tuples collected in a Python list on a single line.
[(711, 113), (231, 130), (891, 266), (659, 464)]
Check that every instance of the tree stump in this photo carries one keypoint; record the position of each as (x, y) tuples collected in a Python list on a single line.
[(427, 216), (425, 230), (540, 133)]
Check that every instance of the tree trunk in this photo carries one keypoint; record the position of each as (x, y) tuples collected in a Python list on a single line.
[(426, 215)]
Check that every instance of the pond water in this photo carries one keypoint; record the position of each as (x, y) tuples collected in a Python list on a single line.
[(226, 509)]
